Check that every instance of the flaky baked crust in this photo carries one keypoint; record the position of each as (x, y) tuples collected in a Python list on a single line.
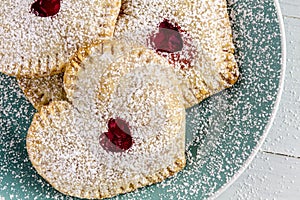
[(132, 87), (207, 64), (63, 140), (34, 46), (41, 91), (83, 72)]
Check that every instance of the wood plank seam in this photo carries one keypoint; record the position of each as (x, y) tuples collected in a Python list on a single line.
[(291, 17), (281, 154)]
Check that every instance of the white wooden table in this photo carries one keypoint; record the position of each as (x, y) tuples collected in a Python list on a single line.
[(275, 171)]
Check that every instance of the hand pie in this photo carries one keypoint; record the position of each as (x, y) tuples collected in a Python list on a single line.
[(133, 139), (39, 36), (195, 36)]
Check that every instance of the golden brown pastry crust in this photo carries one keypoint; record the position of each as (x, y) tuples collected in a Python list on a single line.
[(62, 141), (207, 39), (33, 46), (121, 88), (81, 66), (41, 91)]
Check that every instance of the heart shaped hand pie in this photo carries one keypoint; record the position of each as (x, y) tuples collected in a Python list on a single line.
[(39, 37), (195, 36), (133, 136)]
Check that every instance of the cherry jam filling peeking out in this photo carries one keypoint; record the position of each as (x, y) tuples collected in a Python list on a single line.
[(118, 137), (45, 8), (174, 43), (168, 38)]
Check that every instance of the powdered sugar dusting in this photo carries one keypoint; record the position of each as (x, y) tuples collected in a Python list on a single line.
[(39, 46), (63, 144), (81, 80), (125, 86), (206, 34), (225, 128)]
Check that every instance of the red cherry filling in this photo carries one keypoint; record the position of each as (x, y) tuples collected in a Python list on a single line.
[(118, 137), (168, 39), (45, 8), (169, 42)]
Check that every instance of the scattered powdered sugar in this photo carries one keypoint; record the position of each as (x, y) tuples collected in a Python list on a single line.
[(36, 46), (205, 64), (82, 79), (63, 141), (222, 130)]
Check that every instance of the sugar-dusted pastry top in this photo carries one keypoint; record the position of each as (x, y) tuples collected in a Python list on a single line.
[(195, 36), (38, 37), (73, 150), (122, 86), (123, 126), (41, 91), (81, 79)]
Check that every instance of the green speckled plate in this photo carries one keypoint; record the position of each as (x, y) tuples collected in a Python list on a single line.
[(223, 133)]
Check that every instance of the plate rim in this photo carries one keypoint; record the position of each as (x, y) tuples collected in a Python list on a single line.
[(274, 111), (258, 146)]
